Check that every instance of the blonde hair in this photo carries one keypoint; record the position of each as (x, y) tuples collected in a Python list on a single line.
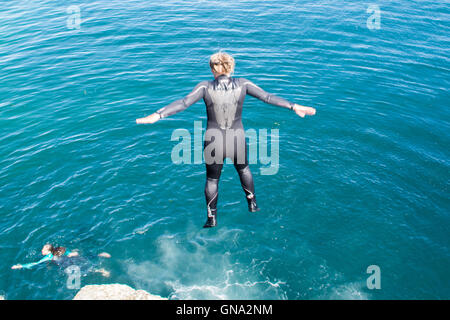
[(221, 63)]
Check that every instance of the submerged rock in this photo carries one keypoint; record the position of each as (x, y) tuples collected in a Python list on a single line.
[(113, 292)]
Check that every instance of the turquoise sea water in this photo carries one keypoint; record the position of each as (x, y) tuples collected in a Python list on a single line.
[(364, 182)]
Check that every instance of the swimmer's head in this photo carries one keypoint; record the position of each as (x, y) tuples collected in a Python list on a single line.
[(47, 249), (221, 63)]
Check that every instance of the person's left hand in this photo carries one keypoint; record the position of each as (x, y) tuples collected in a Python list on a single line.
[(303, 111), (17, 266)]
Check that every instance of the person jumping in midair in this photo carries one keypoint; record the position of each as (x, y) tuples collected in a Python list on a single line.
[(224, 137)]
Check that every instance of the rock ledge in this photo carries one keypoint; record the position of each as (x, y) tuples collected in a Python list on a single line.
[(113, 292)]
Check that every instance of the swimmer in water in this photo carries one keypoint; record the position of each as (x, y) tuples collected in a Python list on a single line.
[(51, 253), (224, 137)]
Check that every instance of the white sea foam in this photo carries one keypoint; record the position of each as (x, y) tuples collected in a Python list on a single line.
[(193, 270), (346, 291), (349, 291)]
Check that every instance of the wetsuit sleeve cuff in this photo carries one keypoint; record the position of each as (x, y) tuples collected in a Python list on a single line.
[(160, 111)]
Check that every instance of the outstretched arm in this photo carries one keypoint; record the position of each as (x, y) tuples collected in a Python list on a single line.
[(257, 92), (71, 254), (30, 265), (177, 106)]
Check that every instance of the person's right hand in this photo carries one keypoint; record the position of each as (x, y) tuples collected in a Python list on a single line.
[(150, 119), (17, 266)]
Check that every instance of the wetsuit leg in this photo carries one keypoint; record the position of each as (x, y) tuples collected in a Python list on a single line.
[(213, 172), (245, 175)]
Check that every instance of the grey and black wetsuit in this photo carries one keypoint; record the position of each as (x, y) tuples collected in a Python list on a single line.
[(224, 136)]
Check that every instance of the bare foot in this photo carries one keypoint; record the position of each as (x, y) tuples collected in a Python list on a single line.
[(104, 272), (104, 255)]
